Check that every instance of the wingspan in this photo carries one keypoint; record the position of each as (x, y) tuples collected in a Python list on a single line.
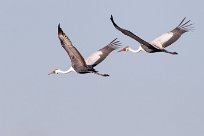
[(130, 34), (75, 56), (97, 57)]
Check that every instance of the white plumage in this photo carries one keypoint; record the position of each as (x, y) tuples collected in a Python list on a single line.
[(159, 41), (94, 57)]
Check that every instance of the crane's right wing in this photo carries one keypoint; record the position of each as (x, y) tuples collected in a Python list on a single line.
[(98, 56), (130, 34), (169, 38), (178, 31)]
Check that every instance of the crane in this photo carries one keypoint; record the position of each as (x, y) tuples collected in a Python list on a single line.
[(80, 65), (159, 44)]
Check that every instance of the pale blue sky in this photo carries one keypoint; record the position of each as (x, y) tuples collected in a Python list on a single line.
[(146, 94)]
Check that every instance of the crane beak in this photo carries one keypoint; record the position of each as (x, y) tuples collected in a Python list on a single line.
[(123, 49), (53, 72)]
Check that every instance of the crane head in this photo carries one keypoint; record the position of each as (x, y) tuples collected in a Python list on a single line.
[(126, 49), (56, 71)]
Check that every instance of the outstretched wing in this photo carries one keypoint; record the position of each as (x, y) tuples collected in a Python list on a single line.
[(75, 56), (130, 34), (98, 56), (168, 38)]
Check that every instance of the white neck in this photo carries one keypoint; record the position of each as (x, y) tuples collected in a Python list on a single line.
[(67, 71), (136, 51)]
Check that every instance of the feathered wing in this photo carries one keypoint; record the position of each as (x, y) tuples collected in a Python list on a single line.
[(75, 56), (98, 56), (130, 34), (168, 38)]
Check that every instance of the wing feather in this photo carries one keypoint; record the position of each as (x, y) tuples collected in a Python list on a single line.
[(76, 58), (169, 38), (130, 34), (98, 56)]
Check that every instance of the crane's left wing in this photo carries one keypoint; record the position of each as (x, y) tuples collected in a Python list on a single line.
[(98, 56), (130, 34), (75, 56)]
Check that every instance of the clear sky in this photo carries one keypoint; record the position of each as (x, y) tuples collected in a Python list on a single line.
[(146, 94)]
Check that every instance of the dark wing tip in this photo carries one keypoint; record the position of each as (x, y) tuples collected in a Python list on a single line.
[(116, 42), (111, 18), (182, 21), (185, 26), (59, 26), (59, 29)]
